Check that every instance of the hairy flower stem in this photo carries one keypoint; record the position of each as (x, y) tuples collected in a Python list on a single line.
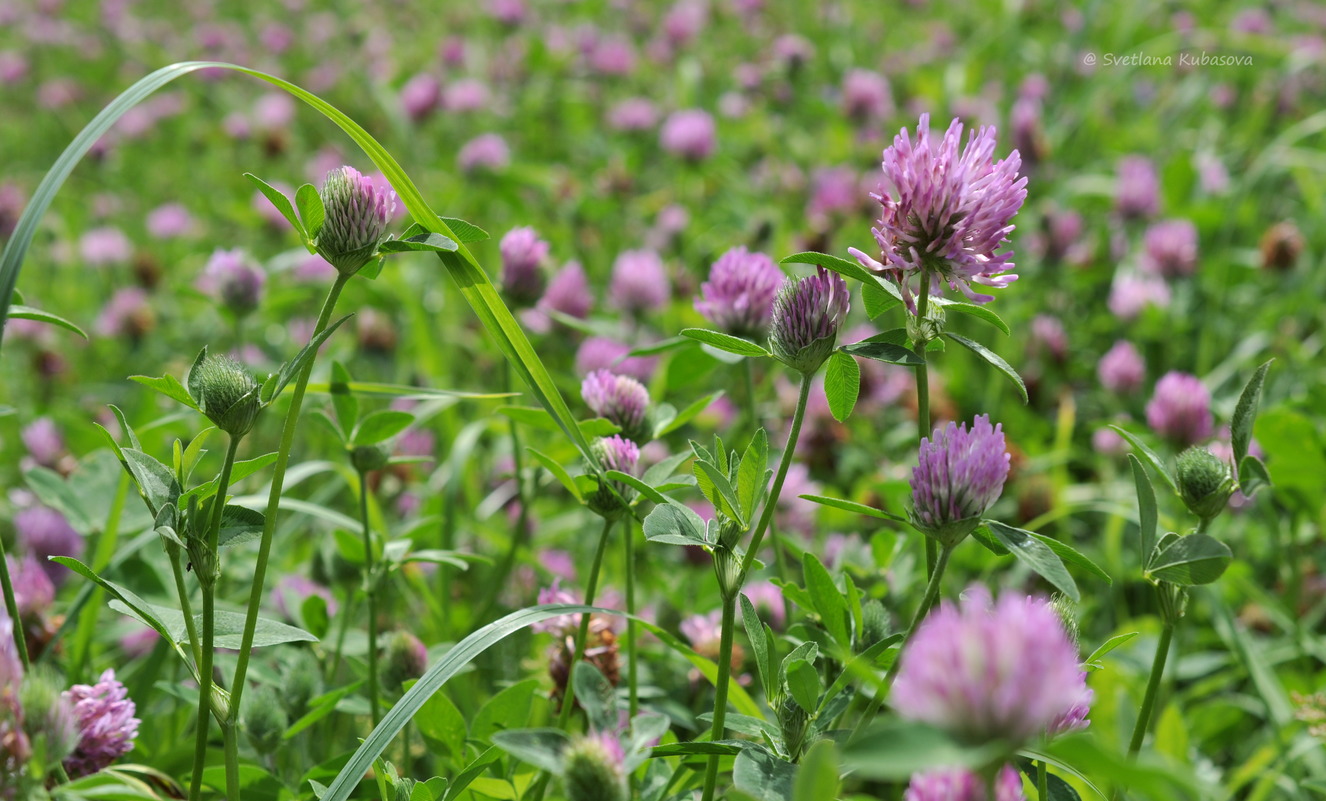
[(11, 606), (931, 595), (269, 521), (1152, 688), (568, 699), (173, 551), (540, 786), (632, 673), (771, 503), (207, 579), (720, 689), (371, 593), (923, 394), (522, 521)]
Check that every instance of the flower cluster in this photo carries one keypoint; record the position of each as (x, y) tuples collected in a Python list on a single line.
[(523, 256), (960, 473), (619, 398), (988, 671), (1180, 409), (738, 297), (806, 317), (357, 213), (106, 722), (946, 213)]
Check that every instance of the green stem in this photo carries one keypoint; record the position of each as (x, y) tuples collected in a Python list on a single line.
[(186, 607), (274, 503), (204, 697), (720, 690), (1152, 689), (208, 650), (931, 594), (1042, 782), (518, 535), (230, 737), (568, 698), (370, 590), (771, 503), (540, 786), (923, 395), (632, 674), (11, 606)]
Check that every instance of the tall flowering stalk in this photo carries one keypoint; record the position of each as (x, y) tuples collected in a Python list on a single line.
[(228, 395), (946, 212), (960, 473), (356, 212), (807, 315)]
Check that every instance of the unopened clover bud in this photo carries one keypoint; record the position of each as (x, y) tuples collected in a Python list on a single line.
[(49, 718), (960, 473), (622, 455), (300, 684), (874, 623), (1205, 482), (264, 720), (407, 658), (226, 392), (403, 789), (806, 317), (366, 458), (593, 769), (356, 219)]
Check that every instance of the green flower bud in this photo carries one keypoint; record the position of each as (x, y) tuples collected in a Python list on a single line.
[(407, 658), (1064, 607), (874, 623), (356, 218), (592, 767), (49, 719), (1205, 482), (928, 329), (367, 458), (264, 720), (203, 560), (226, 392), (300, 684)]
